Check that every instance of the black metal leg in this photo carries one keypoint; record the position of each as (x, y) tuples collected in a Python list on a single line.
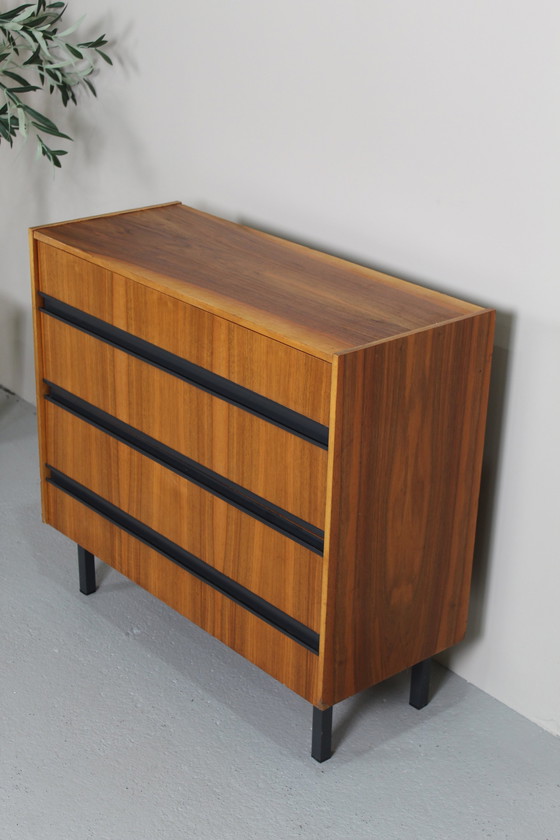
[(420, 684), (322, 734), (86, 566)]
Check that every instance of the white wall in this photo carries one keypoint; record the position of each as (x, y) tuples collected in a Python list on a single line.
[(421, 138)]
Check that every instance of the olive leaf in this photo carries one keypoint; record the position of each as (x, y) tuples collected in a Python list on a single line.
[(34, 55)]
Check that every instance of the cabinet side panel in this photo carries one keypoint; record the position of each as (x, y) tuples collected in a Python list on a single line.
[(406, 461)]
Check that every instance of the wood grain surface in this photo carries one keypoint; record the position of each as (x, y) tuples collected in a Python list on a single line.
[(258, 557), (301, 381), (259, 642), (306, 298), (398, 372), (268, 461), (406, 461)]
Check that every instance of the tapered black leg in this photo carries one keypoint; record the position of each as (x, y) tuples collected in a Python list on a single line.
[(322, 734), (86, 566), (420, 684)]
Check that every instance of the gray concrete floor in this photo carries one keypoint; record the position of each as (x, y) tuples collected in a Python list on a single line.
[(120, 719)]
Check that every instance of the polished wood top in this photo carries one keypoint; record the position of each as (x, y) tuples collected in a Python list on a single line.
[(313, 301)]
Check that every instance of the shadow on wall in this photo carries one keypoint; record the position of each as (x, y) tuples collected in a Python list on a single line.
[(491, 467), (12, 343)]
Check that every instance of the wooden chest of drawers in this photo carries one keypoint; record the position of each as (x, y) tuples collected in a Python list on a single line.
[(283, 446)]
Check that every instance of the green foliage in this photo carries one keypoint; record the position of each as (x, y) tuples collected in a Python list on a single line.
[(34, 55)]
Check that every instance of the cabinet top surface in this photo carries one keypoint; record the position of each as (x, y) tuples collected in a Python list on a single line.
[(319, 303)]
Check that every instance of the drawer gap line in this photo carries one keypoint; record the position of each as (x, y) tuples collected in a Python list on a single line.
[(289, 525), (264, 610), (214, 384)]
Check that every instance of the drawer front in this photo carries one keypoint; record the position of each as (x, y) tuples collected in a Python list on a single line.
[(299, 381), (287, 470), (265, 560), (254, 638)]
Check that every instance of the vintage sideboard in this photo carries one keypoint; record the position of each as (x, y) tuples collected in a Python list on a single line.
[(283, 446)]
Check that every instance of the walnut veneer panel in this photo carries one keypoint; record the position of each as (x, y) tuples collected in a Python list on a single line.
[(301, 381), (406, 461), (247, 634), (396, 374), (258, 455), (271, 565), (307, 298)]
